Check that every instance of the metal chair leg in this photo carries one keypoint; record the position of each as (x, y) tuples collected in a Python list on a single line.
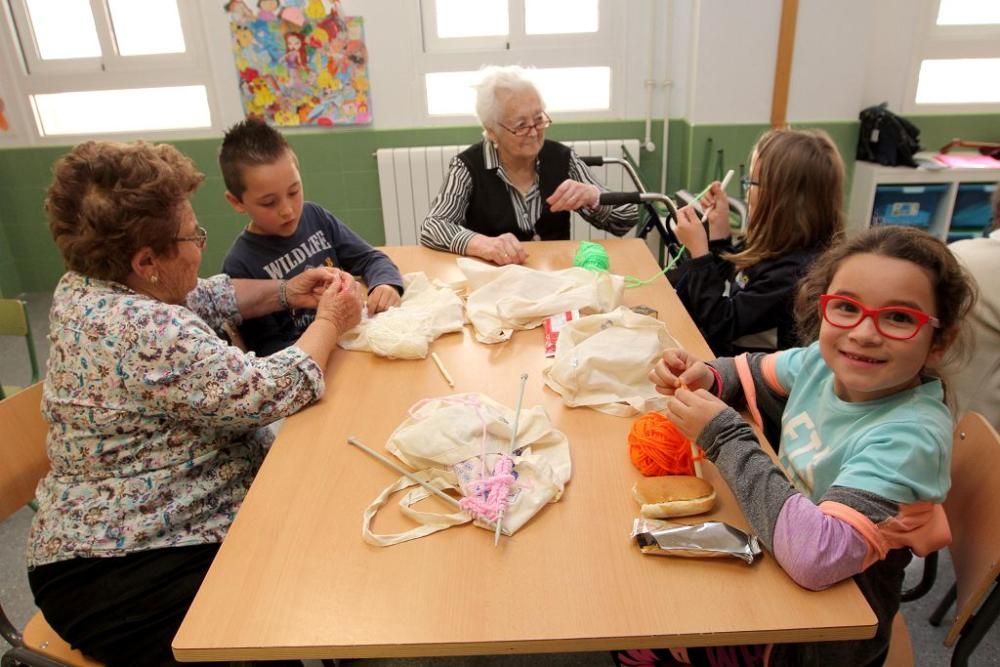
[(975, 629), (944, 606)]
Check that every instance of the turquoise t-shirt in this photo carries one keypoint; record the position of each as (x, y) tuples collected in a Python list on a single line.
[(898, 447)]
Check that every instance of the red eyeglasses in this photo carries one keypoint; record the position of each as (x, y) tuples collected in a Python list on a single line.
[(896, 322)]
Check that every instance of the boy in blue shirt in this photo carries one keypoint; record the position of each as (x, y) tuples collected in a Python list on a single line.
[(287, 235)]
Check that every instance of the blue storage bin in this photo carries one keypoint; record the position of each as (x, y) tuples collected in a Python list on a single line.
[(912, 205), (972, 206)]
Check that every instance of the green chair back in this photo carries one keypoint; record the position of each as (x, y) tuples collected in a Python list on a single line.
[(14, 322)]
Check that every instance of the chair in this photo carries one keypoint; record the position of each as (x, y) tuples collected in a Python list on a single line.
[(973, 510), (22, 449), (14, 322)]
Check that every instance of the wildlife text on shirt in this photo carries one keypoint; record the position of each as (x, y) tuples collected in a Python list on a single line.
[(300, 254)]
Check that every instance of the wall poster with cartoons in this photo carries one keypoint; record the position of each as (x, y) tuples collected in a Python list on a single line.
[(301, 62)]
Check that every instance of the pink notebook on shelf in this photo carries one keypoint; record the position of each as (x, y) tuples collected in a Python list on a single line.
[(967, 160)]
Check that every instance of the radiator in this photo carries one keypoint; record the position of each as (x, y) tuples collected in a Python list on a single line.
[(410, 178)]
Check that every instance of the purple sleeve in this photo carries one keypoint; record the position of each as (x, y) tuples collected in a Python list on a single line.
[(816, 550)]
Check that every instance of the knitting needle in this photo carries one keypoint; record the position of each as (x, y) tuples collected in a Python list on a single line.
[(513, 437), (725, 183), (444, 371), (405, 473)]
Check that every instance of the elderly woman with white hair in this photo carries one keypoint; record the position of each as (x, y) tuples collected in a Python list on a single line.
[(515, 185)]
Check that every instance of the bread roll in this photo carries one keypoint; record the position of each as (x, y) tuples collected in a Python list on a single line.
[(673, 495)]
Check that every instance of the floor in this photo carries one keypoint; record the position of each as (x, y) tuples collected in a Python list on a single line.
[(17, 601)]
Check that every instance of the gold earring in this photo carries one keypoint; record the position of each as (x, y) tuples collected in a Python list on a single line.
[(153, 278)]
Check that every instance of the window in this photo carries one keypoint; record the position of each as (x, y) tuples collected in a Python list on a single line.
[(567, 43), (959, 58), (86, 66)]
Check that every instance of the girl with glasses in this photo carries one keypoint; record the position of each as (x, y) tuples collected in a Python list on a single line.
[(515, 185), (865, 432), (740, 291)]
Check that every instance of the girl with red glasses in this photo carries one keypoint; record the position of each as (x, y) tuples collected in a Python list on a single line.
[(865, 435)]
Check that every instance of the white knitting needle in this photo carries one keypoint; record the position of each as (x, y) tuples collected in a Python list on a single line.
[(510, 452), (725, 183)]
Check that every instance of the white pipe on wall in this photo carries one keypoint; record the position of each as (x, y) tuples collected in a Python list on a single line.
[(650, 82), (667, 84)]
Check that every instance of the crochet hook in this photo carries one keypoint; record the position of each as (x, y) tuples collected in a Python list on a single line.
[(510, 451)]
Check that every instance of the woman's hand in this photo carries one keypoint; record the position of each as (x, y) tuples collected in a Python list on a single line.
[(501, 250), (678, 367), (716, 202), (306, 289), (340, 303), (383, 297), (691, 232), (571, 195), (691, 411)]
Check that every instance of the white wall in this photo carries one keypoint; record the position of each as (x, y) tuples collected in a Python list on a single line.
[(718, 54)]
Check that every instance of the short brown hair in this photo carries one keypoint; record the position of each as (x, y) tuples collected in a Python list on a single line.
[(954, 291), (107, 200), (801, 198), (248, 143)]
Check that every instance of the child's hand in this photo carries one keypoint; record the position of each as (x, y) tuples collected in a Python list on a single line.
[(691, 411), (501, 250), (691, 232), (679, 367), (340, 303), (306, 289), (716, 202), (382, 297)]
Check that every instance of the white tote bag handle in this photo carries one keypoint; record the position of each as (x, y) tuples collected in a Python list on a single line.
[(431, 522)]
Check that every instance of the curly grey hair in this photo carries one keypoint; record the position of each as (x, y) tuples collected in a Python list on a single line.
[(494, 81)]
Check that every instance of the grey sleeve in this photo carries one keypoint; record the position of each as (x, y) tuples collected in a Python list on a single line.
[(760, 487)]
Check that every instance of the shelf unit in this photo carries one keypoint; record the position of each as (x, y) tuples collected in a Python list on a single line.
[(869, 176)]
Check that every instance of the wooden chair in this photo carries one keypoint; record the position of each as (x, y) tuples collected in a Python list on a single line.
[(14, 322), (22, 450), (973, 509)]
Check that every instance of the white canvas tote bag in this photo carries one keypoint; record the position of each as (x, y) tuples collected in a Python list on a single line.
[(603, 362), (445, 439), (504, 298), (429, 309)]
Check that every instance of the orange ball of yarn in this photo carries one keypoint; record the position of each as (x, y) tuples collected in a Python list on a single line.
[(657, 447)]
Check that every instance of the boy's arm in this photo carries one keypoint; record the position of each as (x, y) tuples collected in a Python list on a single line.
[(359, 258)]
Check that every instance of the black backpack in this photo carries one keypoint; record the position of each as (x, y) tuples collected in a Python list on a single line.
[(886, 138)]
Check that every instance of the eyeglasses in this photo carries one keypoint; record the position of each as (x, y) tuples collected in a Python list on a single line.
[(524, 130), (895, 322), (746, 183), (200, 237)]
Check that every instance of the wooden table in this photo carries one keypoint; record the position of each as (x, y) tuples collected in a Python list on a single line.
[(295, 579)]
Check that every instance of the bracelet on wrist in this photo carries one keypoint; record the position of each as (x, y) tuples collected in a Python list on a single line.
[(283, 295)]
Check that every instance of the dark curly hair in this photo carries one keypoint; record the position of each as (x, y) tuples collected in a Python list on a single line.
[(249, 143), (954, 291), (107, 200)]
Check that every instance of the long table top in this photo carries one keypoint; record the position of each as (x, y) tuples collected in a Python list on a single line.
[(294, 579)]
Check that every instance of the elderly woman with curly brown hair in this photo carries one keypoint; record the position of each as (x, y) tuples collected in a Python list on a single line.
[(156, 424)]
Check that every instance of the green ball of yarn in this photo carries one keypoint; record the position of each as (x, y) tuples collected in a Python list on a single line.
[(592, 256)]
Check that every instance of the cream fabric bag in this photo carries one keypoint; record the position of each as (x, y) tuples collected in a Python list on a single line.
[(428, 310), (603, 362), (444, 439), (504, 298)]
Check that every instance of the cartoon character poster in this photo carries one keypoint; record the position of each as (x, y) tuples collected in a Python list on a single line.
[(301, 62)]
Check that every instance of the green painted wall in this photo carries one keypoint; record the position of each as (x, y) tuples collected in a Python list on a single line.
[(339, 173)]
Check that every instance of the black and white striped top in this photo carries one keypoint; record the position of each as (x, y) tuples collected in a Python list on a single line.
[(444, 227)]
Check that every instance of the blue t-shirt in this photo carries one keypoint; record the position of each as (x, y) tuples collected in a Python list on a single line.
[(320, 240), (898, 447)]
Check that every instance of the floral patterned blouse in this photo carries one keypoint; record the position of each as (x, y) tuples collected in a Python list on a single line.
[(156, 425)]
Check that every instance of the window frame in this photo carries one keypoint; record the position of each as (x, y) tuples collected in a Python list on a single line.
[(461, 54), (34, 76), (948, 42)]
